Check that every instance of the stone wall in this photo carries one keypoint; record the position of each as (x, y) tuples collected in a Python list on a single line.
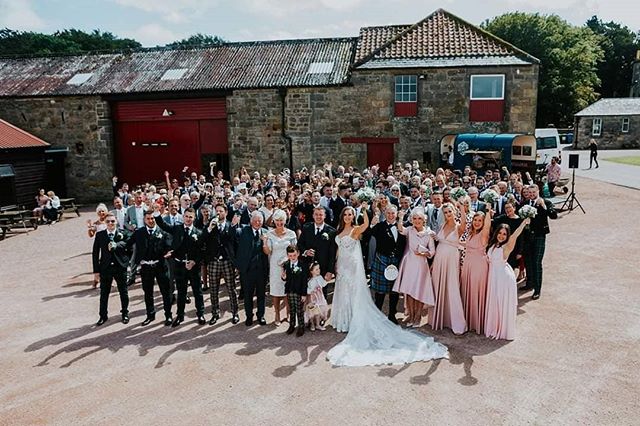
[(83, 125), (318, 118), (611, 136)]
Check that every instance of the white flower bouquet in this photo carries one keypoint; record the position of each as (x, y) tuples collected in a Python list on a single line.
[(527, 211), (490, 196), (457, 193), (366, 194)]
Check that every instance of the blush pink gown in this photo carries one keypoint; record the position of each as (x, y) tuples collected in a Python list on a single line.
[(445, 273), (473, 283), (414, 277), (502, 298)]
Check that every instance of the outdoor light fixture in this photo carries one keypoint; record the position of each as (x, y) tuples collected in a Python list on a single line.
[(167, 113)]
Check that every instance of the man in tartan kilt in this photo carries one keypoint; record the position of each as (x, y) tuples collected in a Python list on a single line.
[(219, 252), (536, 240), (389, 249)]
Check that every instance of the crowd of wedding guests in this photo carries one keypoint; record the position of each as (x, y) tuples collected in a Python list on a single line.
[(450, 254)]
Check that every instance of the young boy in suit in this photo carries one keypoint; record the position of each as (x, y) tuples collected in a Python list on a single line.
[(295, 287)]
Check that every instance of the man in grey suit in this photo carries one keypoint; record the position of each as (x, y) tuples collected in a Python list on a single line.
[(134, 219), (476, 205), (253, 265), (434, 212)]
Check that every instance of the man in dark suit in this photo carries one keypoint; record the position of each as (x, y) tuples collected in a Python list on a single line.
[(317, 243), (252, 206), (152, 248), (340, 202), (389, 249), (535, 241), (475, 204), (186, 251), (253, 266), (110, 261), (219, 253)]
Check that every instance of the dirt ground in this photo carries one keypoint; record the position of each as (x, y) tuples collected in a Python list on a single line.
[(575, 360)]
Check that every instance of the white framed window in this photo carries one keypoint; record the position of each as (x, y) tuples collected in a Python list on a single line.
[(596, 128), (406, 88), (625, 125), (487, 87)]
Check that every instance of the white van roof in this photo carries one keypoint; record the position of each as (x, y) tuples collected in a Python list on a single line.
[(550, 131)]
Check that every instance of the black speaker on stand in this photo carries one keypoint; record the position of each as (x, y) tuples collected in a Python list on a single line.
[(572, 201)]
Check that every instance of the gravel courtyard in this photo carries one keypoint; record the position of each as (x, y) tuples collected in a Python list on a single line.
[(575, 360)]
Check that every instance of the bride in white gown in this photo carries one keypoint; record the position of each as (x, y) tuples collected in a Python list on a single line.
[(372, 339)]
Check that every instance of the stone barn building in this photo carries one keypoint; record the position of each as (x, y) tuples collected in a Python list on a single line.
[(613, 122), (387, 95)]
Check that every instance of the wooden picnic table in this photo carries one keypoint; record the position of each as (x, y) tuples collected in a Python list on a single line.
[(68, 205), (12, 219)]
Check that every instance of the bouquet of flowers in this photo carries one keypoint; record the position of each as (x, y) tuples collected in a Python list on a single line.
[(527, 211), (366, 194), (457, 193), (427, 191), (490, 196)]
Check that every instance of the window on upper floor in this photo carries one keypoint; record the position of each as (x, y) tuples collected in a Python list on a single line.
[(486, 98), (406, 96), (487, 87)]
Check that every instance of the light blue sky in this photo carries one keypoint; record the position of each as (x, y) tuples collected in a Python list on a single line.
[(155, 22)]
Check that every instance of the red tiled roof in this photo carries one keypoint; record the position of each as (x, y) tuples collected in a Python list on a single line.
[(372, 38), (439, 35), (13, 137)]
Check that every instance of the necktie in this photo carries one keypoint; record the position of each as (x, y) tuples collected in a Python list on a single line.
[(150, 231), (256, 236), (110, 236), (435, 216), (317, 231)]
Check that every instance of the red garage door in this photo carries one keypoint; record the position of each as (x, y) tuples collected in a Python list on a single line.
[(154, 136), (380, 151)]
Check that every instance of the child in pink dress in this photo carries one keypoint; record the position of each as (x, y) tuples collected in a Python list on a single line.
[(317, 307)]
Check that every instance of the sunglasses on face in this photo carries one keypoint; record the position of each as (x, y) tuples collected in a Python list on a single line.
[(110, 221)]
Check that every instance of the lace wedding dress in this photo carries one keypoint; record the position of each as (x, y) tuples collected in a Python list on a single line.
[(372, 339)]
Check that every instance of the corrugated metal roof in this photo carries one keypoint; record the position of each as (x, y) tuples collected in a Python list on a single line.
[(440, 35), (229, 66), (13, 137), (444, 62), (612, 106)]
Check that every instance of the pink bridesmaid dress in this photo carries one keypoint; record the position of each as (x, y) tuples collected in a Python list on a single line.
[(473, 283), (502, 298), (414, 277), (445, 273)]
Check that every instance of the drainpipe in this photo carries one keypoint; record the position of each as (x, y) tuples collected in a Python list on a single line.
[(282, 91)]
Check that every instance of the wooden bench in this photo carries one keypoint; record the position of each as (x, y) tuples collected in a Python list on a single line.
[(68, 205), (16, 219)]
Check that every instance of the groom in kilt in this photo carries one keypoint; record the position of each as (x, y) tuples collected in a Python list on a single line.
[(389, 249)]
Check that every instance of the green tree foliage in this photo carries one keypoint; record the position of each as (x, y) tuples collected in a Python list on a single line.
[(619, 44), (569, 57), (61, 42), (197, 40)]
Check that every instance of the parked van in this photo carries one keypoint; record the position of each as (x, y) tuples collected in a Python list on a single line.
[(547, 145)]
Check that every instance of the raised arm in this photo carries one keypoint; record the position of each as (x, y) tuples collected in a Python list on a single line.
[(486, 229), (400, 223), (508, 248), (463, 219), (167, 181), (358, 230)]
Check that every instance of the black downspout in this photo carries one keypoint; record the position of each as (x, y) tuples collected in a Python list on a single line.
[(282, 91)]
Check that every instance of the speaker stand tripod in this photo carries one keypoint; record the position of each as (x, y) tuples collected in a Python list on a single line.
[(572, 201)]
